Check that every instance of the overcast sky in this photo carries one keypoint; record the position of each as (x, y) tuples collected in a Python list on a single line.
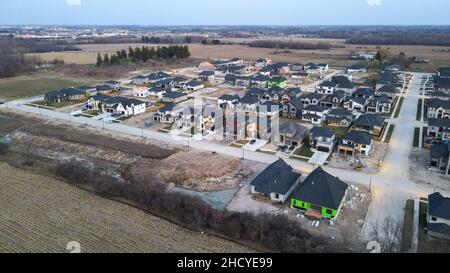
[(225, 12)]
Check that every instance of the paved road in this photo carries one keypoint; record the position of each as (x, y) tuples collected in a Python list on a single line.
[(391, 187)]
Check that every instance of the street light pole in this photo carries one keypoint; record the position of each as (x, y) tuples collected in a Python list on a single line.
[(370, 185)]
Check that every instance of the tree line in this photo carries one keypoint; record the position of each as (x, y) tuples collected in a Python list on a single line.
[(402, 39), (168, 40), (274, 232), (290, 45), (143, 54)]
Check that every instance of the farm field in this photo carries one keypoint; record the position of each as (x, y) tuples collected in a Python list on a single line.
[(41, 214), (37, 84), (335, 57)]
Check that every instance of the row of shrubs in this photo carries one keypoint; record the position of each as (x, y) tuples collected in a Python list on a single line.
[(273, 232)]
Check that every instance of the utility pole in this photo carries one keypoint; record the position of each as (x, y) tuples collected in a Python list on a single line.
[(243, 153), (142, 133), (40, 113), (370, 185)]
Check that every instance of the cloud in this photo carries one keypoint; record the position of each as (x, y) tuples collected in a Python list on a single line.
[(374, 2), (73, 2)]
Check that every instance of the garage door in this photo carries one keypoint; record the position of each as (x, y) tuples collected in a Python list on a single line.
[(323, 149)]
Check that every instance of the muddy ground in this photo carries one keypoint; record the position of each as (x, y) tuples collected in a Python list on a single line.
[(419, 173), (179, 166)]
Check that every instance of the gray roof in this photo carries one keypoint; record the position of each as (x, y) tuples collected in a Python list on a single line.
[(229, 97), (359, 137), (440, 151), (277, 178), (364, 92), (370, 120), (439, 205), (312, 96), (437, 103), (247, 99), (292, 127), (103, 87), (387, 88), (322, 132), (73, 91), (439, 122), (327, 84), (339, 112), (322, 189), (359, 100), (174, 94), (315, 108), (124, 101)]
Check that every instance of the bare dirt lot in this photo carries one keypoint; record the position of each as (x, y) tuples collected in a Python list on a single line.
[(370, 162), (421, 175), (189, 169), (41, 214)]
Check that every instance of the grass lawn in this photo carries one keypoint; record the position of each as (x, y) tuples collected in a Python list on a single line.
[(59, 105), (91, 113), (122, 118), (428, 244), (304, 151), (389, 133), (22, 87), (399, 107), (416, 137), (266, 152), (419, 110), (408, 221)]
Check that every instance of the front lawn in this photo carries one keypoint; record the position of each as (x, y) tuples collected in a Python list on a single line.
[(60, 104), (399, 107), (408, 221), (304, 151), (389, 133), (419, 110)]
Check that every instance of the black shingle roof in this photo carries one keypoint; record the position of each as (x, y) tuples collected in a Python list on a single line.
[(322, 132), (439, 205), (277, 178), (439, 122), (322, 189), (370, 120), (359, 137)]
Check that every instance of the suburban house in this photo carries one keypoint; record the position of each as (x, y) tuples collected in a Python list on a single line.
[(113, 84), (323, 67), (334, 100), (228, 101), (440, 158), (140, 92), (278, 81), (140, 80), (256, 92), (174, 96), (356, 142), (260, 63), (96, 102), (292, 134), (169, 113), (55, 97), (311, 98), (381, 104), (296, 67), (366, 93), (438, 216), (357, 104), (320, 195), (89, 90), (248, 103), (156, 93), (442, 95), (232, 62), (260, 81), (276, 182), (124, 106), (292, 108), (189, 118), (193, 86), (370, 123), (207, 76), (157, 76), (104, 89), (267, 71), (326, 87), (438, 130), (357, 68), (65, 94), (387, 90), (322, 139), (179, 82), (314, 114), (207, 121), (339, 117), (437, 108)]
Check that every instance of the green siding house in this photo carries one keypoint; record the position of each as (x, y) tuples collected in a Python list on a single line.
[(278, 81), (320, 194)]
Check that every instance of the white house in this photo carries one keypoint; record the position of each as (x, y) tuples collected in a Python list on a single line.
[(124, 106)]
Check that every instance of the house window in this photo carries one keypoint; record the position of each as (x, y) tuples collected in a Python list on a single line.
[(434, 219), (277, 196), (329, 212), (317, 208)]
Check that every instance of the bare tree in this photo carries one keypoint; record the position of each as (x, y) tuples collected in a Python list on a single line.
[(388, 234)]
